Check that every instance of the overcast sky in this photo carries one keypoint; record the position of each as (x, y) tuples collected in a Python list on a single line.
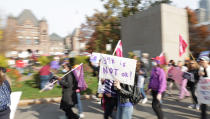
[(64, 15)]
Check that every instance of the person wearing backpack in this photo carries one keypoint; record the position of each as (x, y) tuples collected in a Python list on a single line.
[(127, 96), (141, 79), (157, 86), (5, 92)]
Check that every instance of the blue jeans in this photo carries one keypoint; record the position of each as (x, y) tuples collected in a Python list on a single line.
[(79, 105), (124, 112), (143, 92), (44, 80)]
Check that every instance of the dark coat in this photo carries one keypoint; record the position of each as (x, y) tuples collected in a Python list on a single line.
[(69, 97), (127, 91)]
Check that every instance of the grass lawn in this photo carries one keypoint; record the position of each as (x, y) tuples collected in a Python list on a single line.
[(31, 91)]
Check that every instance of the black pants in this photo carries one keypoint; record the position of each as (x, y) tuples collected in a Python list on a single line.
[(203, 111), (5, 114), (70, 114), (110, 104), (95, 70), (156, 106), (192, 87)]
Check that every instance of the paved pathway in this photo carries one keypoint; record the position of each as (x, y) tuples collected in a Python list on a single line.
[(172, 110)]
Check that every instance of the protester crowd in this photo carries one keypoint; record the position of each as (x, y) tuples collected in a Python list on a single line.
[(157, 80), (161, 80)]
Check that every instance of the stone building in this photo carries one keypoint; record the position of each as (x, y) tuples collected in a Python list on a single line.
[(56, 44), (77, 44), (156, 30), (27, 32)]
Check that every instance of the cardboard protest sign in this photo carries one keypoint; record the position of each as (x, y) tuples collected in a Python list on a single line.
[(100, 87), (122, 69), (203, 91), (15, 98), (95, 57)]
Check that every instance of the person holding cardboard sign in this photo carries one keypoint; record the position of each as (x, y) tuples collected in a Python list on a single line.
[(127, 97)]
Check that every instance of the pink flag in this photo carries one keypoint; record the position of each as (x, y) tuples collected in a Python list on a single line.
[(175, 73), (182, 46), (79, 75), (118, 49)]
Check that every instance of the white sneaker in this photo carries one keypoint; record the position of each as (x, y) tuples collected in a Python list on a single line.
[(141, 100), (197, 107), (191, 106), (144, 100), (81, 115)]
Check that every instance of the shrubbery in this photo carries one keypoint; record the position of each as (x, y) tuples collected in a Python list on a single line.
[(3, 61), (43, 60), (81, 59)]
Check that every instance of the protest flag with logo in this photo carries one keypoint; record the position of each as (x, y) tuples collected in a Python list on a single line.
[(118, 49), (182, 46), (79, 75)]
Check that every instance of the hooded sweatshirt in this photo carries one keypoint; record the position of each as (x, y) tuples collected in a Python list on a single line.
[(158, 80)]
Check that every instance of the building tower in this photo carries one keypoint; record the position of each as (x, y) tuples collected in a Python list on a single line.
[(44, 38), (205, 6)]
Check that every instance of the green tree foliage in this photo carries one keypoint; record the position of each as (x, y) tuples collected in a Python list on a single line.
[(44, 60), (3, 61), (198, 34)]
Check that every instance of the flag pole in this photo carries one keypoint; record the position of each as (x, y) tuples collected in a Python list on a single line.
[(192, 56), (47, 86), (116, 47)]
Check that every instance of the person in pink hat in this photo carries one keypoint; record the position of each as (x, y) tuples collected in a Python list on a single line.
[(157, 86)]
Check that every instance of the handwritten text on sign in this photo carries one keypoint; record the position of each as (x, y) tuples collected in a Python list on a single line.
[(122, 69), (203, 89), (95, 57)]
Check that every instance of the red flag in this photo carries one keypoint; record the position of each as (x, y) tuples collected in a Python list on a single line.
[(118, 49), (161, 59), (182, 46)]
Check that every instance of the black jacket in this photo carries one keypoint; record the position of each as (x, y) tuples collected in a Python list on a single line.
[(127, 91), (69, 97), (196, 74)]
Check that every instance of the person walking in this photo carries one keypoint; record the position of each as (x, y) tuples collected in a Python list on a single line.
[(69, 96), (204, 72), (125, 93), (110, 98), (142, 74), (5, 92), (79, 102), (45, 75), (183, 83), (193, 69), (171, 66), (157, 86)]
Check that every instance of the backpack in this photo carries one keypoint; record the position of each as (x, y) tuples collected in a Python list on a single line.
[(5, 92), (136, 97)]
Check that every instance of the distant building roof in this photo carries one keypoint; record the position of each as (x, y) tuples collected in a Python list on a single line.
[(27, 14), (55, 37), (203, 23)]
